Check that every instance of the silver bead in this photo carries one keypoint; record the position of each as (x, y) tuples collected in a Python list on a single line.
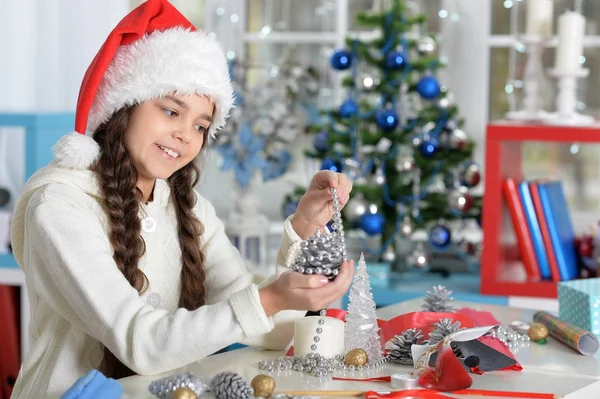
[(319, 270), (313, 347), (319, 330), (321, 321), (309, 270), (316, 338)]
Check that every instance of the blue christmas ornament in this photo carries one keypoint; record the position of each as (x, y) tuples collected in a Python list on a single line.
[(372, 223), (440, 236), (289, 208), (428, 87), (348, 109), (429, 148), (331, 164), (341, 59), (395, 60), (387, 120), (320, 141)]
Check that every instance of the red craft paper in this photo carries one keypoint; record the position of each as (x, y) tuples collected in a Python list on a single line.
[(420, 320), (448, 375)]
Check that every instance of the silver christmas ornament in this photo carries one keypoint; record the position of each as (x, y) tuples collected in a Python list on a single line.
[(446, 101), (460, 202), (406, 227), (378, 177), (419, 257), (388, 255), (426, 46), (405, 163), (367, 81), (457, 139), (355, 208), (470, 175)]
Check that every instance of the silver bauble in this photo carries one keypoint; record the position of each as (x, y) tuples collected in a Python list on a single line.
[(446, 102), (367, 81), (406, 227), (470, 175), (405, 163), (388, 255), (355, 208), (426, 46), (457, 139), (460, 202), (419, 257), (378, 177)]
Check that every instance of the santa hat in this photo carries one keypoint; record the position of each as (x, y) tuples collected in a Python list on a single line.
[(153, 51)]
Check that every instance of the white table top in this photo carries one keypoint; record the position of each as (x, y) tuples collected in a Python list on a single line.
[(553, 367)]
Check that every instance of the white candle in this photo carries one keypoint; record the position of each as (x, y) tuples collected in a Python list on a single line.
[(331, 339), (571, 29), (539, 17)]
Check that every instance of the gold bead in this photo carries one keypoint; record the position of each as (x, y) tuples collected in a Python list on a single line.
[(263, 386), (183, 393), (356, 357), (537, 332)]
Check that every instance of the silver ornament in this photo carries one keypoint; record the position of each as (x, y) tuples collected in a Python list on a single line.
[(446, 102), (470, 175), (355, 208), (388, 255), (367, 82), (419, 257), (426, 46), (378, 177), (406, 227), (460, 202), (405, 163), (457, 139)]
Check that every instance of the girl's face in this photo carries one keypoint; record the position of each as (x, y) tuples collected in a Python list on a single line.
[(166, 134)]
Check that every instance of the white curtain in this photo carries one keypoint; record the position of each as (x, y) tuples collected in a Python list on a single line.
[(45, 48)]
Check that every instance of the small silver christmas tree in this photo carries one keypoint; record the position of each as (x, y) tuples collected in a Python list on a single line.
[(324, 253), (438, 300), (443, 328), (402, 344), (362, 330)]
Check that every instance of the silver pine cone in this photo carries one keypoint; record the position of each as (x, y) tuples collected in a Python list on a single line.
[(443, 328), (401, 346), (438, 300), (228, 385)]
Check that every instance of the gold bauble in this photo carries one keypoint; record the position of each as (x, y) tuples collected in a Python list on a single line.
[(263, 386), (183, 393), (356, 357), (537, 332)]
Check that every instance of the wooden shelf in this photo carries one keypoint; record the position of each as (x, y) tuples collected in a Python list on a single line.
[(502, 272)]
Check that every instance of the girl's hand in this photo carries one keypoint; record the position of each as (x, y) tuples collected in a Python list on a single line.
[(297, 291), (315, 208)]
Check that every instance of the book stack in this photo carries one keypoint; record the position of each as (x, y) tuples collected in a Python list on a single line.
[(542, 223)]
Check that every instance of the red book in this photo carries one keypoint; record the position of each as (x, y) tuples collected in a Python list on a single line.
[(539, 211), (517, 214)]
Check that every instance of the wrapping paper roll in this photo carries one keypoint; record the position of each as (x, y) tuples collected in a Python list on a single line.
[(574, 337), (331, 340)]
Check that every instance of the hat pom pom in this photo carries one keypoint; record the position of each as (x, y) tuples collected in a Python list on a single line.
[(76, 151)]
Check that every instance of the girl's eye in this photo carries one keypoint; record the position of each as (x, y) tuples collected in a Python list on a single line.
[(200, 128), (170, 112)]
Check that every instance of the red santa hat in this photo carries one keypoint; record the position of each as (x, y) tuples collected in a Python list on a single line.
[(153, 51)]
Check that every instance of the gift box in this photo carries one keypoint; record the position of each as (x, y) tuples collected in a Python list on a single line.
[(579, 303)]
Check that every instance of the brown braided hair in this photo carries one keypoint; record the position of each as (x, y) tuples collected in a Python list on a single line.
[(118, 179)]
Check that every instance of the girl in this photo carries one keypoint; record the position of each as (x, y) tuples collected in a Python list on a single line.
[(128, 270)]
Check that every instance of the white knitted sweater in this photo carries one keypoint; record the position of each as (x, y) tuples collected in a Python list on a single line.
[(80, 301)]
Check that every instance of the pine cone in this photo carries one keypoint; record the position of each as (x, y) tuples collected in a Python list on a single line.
[(228, 385), (163, 387), (442, 329), (401, 350), (321, 254), (438, 300)]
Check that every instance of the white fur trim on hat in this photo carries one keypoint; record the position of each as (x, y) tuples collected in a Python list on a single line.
[(76, 151), (175, 60)]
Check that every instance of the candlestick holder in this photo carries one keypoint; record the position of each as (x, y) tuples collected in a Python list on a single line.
[(532, 81), (566, 100)]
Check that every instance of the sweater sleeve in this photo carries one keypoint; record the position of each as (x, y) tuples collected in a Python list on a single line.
[(222, 255), (69, 266)]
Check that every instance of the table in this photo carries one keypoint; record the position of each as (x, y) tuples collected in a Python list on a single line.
[(546, 368)]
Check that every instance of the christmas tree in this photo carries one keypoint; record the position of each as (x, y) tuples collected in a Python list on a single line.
[(397, 135), (362, 330)]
